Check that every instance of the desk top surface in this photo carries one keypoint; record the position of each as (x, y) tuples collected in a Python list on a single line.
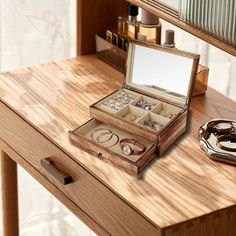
[(182, 185)]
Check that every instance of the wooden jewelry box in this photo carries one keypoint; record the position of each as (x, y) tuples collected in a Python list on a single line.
[(141, 120)]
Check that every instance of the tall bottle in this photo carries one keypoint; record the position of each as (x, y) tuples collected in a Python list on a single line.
[(170, 39), (150, 27), (132, 23)]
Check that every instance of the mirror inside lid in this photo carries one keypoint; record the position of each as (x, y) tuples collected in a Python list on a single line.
[(161, 72)]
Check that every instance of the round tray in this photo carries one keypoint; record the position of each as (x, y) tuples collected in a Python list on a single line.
[(209, 140)]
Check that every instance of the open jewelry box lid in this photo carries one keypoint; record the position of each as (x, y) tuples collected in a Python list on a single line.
[(164, 73)]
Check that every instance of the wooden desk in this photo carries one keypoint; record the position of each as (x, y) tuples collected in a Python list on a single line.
[(183, 193)]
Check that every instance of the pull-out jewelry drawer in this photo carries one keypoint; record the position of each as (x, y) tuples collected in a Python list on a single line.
[(100, 203), (116, 146)]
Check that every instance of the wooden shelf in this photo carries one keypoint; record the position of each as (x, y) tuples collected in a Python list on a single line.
[(95, 17), (171, 16)]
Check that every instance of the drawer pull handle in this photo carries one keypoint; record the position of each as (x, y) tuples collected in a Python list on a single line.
[(50, 167)]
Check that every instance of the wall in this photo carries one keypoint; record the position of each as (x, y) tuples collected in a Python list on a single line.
[(35, 32)]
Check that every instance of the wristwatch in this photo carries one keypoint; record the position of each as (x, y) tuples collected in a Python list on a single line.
[(131, 147), (227, 139), (223, 128)]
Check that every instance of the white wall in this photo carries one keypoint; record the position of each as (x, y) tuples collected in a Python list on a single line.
[(35, 32), (222, 65)]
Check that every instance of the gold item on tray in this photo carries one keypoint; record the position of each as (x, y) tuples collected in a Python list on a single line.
[(100, 132), (105, 131), (167, 114), (153, 125), (131, 147), (116, 141), (130, 117), (109, 137)]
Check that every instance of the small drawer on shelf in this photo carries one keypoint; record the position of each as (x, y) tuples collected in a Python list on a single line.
[(111, 54), (105, 142)]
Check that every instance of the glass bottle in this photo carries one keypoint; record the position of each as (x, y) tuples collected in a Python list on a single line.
[(150, 27)]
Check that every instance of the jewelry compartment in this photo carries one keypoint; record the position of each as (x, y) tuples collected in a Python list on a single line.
[(104, 141), (135, 110), (117, 100), (131, 113)]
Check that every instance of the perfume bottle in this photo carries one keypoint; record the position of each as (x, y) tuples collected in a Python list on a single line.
[(132, 23), (121, 26), (150, 26), (121, 33), (201, 82)]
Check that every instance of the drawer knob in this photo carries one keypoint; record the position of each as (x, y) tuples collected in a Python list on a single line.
[(50, 167), (99, 154)]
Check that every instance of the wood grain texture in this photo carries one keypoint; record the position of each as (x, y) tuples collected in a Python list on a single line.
[(171, 17), (95, 17), (9, 195), (88, 193), (49, 166), (182, 186), (52, 189), (221, 223)]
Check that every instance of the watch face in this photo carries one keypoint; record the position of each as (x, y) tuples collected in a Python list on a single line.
[(223, 127), (127, 150)]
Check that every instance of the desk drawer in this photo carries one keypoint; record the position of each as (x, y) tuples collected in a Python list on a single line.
[(101, 204)]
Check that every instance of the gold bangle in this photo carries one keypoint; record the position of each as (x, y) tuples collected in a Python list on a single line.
[(106, 140), (107, 131), (117, 137)]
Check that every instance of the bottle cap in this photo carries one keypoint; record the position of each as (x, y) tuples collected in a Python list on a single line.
[(170, 38), (132, 10), (149, 18)]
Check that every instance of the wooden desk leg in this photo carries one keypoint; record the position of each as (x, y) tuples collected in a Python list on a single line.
[(9, 196)]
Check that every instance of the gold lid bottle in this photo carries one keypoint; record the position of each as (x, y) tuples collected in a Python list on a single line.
[(150, 27)]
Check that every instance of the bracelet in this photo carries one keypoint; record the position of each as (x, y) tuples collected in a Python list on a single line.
[(128, 150), (117, 140), (226, 138), (105, 132)]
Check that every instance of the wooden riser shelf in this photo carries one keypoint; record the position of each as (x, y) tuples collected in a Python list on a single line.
[(171, 16)]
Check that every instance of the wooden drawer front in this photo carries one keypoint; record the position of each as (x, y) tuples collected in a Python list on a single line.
[(100, 203)]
